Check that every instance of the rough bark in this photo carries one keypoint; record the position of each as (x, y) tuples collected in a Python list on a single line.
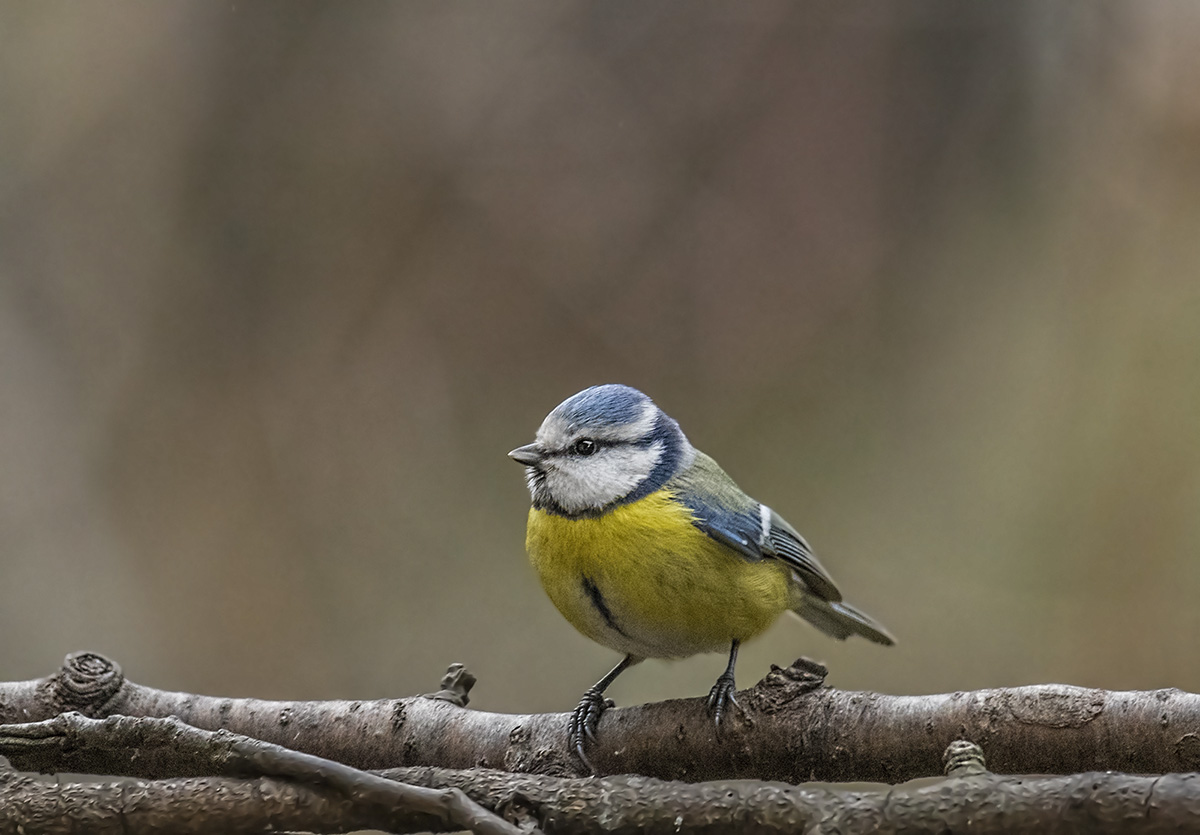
[(140, 747), (793, 729), (969, 799), (195, 806), (986, 803)]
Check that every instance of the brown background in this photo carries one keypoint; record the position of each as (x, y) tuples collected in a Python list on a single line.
[(282, 282)]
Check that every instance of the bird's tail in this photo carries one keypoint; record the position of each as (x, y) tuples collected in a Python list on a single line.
[(841, 620)]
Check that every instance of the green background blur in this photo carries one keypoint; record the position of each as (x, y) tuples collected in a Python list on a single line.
[(282, 282)]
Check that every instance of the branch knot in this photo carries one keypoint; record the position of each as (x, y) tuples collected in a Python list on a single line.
[(784, 684), (456, 686), (87, 681), (963, 759)]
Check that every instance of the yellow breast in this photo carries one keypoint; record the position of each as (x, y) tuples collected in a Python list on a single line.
[(643, 580)]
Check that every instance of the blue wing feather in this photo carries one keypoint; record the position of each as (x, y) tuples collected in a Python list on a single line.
[(789, 546), (741, 530)]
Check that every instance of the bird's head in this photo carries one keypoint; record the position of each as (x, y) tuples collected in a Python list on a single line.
[(604, 446)]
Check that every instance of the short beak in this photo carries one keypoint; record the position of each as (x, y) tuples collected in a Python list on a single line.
[(530, 455)]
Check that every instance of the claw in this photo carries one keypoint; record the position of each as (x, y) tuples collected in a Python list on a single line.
[(582, 727), (721, 696), (587, 713)]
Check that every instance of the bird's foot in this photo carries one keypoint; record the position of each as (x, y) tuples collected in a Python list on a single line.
[(582, 727), (722, 696)]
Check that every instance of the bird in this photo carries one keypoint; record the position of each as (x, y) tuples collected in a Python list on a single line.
[(647, 547)]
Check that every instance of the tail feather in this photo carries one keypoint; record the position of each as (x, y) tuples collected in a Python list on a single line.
[(841, 620)]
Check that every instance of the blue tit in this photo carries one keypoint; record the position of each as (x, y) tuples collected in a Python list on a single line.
[(647, 547)]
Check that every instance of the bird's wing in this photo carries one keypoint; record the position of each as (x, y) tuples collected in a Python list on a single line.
[(747, 534), (725, 513), (789, 546)]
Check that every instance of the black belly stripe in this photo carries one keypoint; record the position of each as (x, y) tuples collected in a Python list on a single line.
[(593, 593)]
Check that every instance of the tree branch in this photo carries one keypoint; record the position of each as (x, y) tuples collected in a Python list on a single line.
[(1096, 802), (198, 806), (970, 797), (134, 746), (793, 728)]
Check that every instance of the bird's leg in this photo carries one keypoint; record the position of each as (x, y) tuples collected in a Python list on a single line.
[(722, 693), (586, 717)]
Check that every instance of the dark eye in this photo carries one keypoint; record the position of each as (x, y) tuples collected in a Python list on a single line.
[(584, 446)]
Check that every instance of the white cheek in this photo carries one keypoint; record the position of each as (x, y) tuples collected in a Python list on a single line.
[(581, 484)]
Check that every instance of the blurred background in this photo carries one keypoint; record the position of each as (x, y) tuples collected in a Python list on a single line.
[(282, 282)]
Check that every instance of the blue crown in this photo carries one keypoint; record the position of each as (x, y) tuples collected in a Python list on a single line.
[(608, 405)]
